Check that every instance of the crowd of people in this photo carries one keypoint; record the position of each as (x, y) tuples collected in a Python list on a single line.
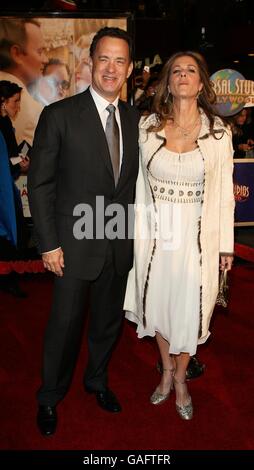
[(243, 134), (171, 154)]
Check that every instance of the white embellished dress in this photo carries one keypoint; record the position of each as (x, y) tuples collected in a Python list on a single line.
[(172, 301)]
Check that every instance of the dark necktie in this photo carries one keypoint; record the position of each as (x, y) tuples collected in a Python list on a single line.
[(112, 135)]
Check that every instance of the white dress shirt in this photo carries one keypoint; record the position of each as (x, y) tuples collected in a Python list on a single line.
[(101, 105)]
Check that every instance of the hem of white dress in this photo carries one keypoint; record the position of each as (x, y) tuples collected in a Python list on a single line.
[(135, 319)]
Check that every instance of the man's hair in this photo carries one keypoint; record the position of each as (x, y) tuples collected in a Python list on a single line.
[(12, 32), (112, 33), (8, 89)]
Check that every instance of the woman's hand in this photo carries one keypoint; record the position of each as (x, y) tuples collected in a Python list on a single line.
[(226, 262)]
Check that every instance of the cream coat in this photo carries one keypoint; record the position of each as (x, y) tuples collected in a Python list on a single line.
[(217, 219)]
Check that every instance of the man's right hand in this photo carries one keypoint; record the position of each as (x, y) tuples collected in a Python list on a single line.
[(54, 261)]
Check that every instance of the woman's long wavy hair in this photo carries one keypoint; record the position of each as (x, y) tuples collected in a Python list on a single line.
[(163, 100)]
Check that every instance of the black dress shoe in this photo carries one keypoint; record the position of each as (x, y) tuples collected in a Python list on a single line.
[(47, 420), (106, 400), (194, 369)]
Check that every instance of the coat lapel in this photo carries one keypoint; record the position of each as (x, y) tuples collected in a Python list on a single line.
[(125, 134), (127, 131)]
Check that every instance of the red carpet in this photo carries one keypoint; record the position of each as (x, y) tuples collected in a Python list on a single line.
[(244, 251), (222, 397)]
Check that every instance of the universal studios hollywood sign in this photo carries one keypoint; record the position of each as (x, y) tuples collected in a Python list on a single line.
[(233, 91)]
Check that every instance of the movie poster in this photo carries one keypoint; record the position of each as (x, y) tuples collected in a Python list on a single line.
[(50, 65)]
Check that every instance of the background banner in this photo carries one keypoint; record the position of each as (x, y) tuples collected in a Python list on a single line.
[(233, 91), (244, 191)]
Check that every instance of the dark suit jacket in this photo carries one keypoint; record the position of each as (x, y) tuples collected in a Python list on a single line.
[(70, 165)]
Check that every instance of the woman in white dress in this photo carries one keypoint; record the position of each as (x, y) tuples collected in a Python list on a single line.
[(184, 221)]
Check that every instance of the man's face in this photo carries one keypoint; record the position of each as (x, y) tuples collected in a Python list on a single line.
[(59, 78), (31, 59), (110, 67)]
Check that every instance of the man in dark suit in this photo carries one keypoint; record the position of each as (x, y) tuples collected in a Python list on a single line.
[(77, 191)]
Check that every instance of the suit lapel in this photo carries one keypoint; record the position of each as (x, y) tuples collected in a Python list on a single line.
[(126, 135)]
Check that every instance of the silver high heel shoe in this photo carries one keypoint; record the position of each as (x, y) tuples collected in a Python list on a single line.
[(184, 411), (157, 397)]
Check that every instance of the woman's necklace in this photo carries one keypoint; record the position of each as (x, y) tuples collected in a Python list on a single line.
[(187, 131)]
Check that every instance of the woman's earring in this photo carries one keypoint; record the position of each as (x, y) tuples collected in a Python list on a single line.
[(199, 93), (167, 97)]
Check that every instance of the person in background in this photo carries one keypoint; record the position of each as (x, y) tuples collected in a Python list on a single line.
[(141, 82), (22, 59), (10, 97), (55, 83), (145, 101), (60, 74), (185, 180), (85, 148), (14, 247), (82, 75), (146, 79), (243, 134)]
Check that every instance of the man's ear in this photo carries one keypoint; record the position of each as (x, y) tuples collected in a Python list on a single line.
[(130, 68), (90, 63), (16, 53)]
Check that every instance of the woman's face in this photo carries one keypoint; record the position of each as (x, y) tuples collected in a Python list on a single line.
[(11, 105), (241, 118), (184, 78)]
